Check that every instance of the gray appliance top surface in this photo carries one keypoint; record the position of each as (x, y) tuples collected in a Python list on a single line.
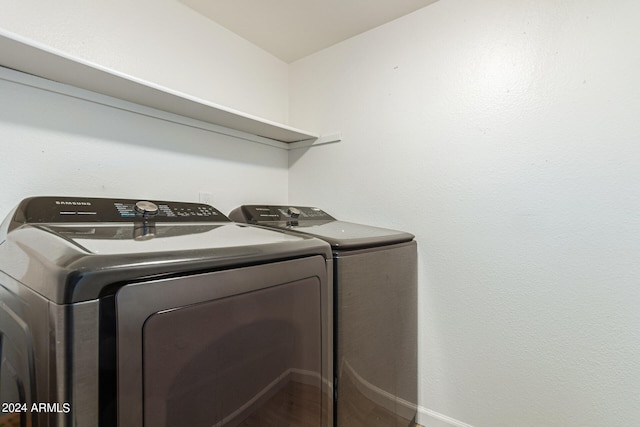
[(106, 239), (75, 257), (315, 222)]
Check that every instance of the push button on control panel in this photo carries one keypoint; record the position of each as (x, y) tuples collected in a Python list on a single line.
[(162, 211)]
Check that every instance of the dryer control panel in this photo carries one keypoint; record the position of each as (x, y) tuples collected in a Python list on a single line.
[(89, 209), (256, 214)]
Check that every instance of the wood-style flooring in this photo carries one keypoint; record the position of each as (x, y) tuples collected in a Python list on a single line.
[(12, 420)]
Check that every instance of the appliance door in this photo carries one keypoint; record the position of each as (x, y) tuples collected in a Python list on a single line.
[(239, 347)]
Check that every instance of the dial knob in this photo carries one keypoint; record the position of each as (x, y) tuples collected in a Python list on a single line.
[(294, 212), (146, 208)]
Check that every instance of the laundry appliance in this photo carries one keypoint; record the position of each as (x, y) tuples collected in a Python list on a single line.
[(119, 312), (375, 308)]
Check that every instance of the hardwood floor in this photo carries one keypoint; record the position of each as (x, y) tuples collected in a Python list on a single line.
[(12, 420)]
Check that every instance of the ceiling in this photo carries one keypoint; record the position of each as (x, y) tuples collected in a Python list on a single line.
[(293, 29)]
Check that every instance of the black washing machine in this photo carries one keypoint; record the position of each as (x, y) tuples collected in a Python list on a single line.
[(375, 308), (118, 312)]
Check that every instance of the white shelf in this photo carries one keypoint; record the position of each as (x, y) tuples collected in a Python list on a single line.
[(29, 57)]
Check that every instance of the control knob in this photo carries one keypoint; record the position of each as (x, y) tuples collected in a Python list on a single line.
[(146, 208), (294, 212)]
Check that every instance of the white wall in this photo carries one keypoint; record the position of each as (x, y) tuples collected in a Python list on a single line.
[(59, 145), (160, 41), (505, 136), (53, 144)]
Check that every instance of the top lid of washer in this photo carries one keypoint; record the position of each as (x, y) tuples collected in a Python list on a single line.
[(316, 222), (71, 249)]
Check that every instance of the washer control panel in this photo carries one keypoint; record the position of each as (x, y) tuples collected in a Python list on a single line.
[(81, 209)]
